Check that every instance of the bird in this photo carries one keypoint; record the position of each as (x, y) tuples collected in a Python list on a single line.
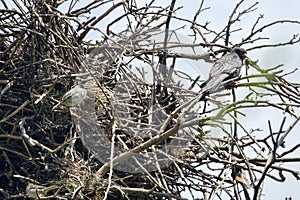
[(73, 97), (227, 67)]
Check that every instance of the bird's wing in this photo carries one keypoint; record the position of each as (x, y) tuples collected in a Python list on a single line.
[(213, 83), (227, 64), (225, 67)]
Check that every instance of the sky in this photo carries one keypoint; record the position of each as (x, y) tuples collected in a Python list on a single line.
[(273, 10)]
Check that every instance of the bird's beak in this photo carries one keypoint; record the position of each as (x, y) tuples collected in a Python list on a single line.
[(244, 55)]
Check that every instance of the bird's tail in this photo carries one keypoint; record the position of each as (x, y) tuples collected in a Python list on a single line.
[(213, 83)]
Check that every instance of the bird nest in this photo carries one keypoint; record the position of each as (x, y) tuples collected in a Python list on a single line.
[(124, 112), (42, 154)]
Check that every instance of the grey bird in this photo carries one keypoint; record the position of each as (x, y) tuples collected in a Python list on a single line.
[(227, 67)]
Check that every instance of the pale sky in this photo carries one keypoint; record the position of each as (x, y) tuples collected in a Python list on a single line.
[(273, 10)]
